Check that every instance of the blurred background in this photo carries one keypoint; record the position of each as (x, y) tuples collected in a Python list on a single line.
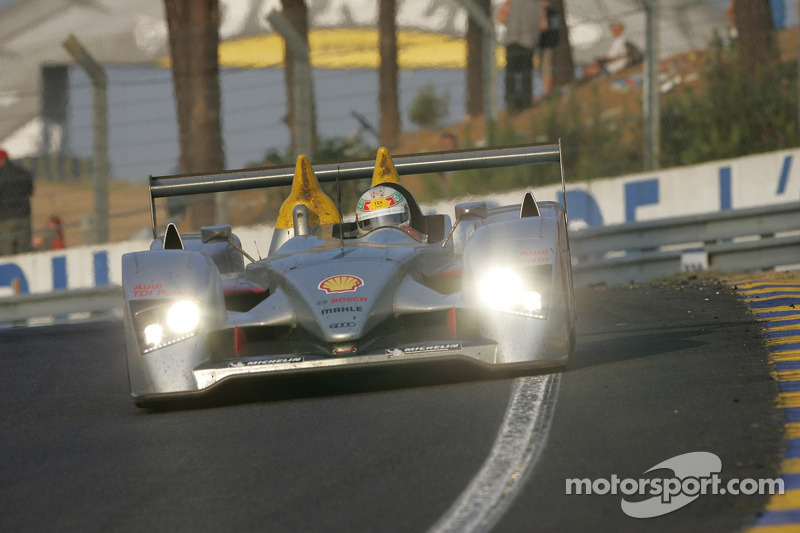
[(96, 95)]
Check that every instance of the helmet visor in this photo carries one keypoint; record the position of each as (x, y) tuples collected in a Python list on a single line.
[(390, 219)]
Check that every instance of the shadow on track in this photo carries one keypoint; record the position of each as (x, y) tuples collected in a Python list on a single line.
[(626, 344)]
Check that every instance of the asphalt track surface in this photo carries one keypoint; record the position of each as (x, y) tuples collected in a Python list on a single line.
[(660, 370)]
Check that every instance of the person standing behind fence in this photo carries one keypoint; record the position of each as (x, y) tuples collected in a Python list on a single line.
[(16, 188), (621, 54), (52, 238), (523, 20)]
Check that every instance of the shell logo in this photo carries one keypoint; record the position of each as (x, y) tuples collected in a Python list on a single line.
[(344, 283)]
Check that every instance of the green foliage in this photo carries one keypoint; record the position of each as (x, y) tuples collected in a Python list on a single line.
[(328, 149), (593, 147), (342, 149), (428, 108), (740, 112), (595, 144)]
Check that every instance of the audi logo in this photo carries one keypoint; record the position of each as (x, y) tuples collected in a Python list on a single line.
[(340, 325)]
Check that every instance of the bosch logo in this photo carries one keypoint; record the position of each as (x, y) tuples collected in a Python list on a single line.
[(348, 299), (341, 325)]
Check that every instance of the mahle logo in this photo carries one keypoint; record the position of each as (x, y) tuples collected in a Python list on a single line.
[(694, 474)]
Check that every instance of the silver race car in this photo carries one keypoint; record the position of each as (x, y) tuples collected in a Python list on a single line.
[(492, 286)]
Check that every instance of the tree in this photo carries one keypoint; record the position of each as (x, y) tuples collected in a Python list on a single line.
[(563, 66), (296, 12), (388, 74), (428, 108), (193, 41), (753, 21), (474, 103)]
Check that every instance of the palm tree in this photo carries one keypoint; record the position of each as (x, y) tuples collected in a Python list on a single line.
[(563, 66), (193, 41), (296, 12), (753, 21), (474, 39), (388, 74)]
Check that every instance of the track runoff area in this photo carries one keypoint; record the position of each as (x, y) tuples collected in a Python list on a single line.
[(776, 304)]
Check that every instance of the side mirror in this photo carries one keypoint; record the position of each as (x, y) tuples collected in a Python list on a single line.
[(467, 211), (471, 210), (209, 233)]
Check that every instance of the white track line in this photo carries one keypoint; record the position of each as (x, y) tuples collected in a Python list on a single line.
[(519, 443)]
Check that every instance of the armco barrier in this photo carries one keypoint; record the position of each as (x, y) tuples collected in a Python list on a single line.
[(762, 254), (745, 239), (706, 228), (17, 309)]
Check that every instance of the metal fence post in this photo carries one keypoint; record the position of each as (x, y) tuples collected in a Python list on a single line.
[(100, 130), (651, 103)]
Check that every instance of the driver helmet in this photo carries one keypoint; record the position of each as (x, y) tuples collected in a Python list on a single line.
[(380, 207)]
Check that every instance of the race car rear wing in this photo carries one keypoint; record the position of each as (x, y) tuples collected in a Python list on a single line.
[(433, 162)]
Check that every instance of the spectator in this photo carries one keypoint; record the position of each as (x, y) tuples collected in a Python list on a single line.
[(621, 54), (53, 238), (523, 20), (546, 68), (547, 44), (448, 140), (730, 14), (16, 188)]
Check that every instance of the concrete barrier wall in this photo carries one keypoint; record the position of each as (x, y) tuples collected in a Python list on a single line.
[(751, 181)]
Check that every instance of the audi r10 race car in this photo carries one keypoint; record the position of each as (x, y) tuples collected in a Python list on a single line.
[(491, 286)]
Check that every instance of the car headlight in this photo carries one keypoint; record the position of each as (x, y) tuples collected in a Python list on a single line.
[(504, 289), (153, 334), (159, 323), (183, 316)]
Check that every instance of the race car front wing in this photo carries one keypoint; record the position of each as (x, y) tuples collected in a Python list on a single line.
[(210, 374)]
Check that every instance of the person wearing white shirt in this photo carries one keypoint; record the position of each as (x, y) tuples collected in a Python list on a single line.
[(621, 54), (617, 57)]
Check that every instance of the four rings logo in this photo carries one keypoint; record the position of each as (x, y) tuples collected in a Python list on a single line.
[(340, 325)]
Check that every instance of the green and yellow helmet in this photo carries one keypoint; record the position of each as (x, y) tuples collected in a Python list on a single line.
[(382, 206)]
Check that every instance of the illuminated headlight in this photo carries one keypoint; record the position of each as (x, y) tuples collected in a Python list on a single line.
[(160, 323), (503, 289), (153, 334), (183, 316)]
